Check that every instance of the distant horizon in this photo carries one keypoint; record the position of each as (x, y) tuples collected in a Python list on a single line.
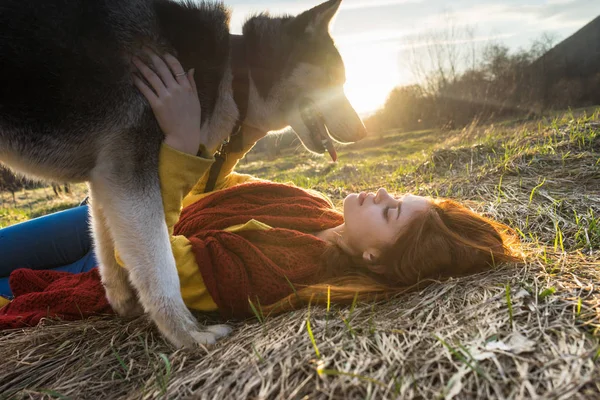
[(376, 37)]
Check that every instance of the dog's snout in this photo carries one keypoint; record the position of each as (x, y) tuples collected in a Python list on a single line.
[(350, 132)]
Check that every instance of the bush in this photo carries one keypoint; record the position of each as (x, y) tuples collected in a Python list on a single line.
[(497, 84)]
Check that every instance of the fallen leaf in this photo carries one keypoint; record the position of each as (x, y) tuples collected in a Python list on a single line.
[(515, 344)]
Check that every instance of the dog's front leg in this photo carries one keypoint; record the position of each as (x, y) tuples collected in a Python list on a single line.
[(115, 279), (129, 192)]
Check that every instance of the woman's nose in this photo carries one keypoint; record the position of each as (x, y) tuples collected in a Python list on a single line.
[(381, 195)]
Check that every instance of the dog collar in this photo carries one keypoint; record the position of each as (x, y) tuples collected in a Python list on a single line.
[(241, 91)]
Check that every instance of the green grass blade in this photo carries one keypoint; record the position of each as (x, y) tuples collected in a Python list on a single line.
[(509, 304), (312, 338), (255, 311), (167, 363), (310, 333), (163, 379), (120, 360), (547, 292), (534, 189), (260, 358), (292, 286)]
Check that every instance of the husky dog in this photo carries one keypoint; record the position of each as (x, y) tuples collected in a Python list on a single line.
[(69, 112)]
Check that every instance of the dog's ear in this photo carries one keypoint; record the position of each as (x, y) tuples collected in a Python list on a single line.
[(316, 21)]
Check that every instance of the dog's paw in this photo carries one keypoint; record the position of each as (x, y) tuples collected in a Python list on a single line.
[(178, 325), (220, 331), (211, 334)]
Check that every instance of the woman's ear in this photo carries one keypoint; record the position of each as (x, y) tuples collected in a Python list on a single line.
[(371, 258)]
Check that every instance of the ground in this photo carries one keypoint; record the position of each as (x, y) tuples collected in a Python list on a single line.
[(520, 331), (37, 202)]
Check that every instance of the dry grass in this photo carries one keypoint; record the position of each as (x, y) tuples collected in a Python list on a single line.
[(34, 203), (520, 331)]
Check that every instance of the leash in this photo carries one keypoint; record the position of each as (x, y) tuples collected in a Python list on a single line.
[(241, 91)]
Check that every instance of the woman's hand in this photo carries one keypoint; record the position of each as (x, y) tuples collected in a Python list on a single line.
[(174, 100)]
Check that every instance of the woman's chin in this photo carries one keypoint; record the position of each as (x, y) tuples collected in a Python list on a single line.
[(349, 201)]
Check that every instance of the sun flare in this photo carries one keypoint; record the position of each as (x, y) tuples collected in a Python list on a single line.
[(370, 75)]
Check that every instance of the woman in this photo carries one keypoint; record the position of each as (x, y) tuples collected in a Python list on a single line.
[(254, 244)]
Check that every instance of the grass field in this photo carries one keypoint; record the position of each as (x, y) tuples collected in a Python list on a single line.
[(37, 202), (520, 331)]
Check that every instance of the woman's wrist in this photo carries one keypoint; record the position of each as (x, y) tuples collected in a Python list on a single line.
[(181, 145)]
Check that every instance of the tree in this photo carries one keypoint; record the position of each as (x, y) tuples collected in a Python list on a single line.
[(10, 182), (56, 187)]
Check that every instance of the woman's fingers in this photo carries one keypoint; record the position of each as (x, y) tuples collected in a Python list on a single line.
[(167, 74), (156, 83), (190, 76), (176, 69), (146, 91), (162, 69)]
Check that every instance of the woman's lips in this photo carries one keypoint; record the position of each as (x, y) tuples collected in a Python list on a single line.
[(361, 198)]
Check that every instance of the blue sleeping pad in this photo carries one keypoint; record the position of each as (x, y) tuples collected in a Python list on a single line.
[(59, 241)]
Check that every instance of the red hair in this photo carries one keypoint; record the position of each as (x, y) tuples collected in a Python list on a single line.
[(446, 240)]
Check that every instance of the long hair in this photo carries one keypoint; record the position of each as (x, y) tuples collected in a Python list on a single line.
[(447, 240)]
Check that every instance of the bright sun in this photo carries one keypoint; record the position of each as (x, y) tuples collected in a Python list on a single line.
[(370, 75)]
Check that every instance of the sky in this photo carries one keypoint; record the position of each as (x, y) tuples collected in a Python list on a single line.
[(376, 37)]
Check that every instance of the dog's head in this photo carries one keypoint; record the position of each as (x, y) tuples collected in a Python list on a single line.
[(310, 83)]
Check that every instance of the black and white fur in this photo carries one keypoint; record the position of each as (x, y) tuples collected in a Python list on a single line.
[(69, 112)]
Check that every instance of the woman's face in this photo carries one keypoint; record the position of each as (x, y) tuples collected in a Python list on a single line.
[(374, 222)]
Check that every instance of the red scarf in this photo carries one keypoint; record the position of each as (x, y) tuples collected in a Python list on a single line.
[(235, 266), (261, 266), (52, 294)]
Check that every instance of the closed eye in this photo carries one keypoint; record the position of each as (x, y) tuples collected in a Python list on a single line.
[(399, 210), (386, 213)]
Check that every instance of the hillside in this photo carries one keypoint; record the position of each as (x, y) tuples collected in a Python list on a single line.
[(576, 56), (571, 69)]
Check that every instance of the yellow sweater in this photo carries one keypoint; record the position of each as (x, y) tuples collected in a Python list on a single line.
[(180, 187)]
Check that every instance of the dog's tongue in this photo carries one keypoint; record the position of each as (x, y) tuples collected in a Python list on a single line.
[(330, 149)]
